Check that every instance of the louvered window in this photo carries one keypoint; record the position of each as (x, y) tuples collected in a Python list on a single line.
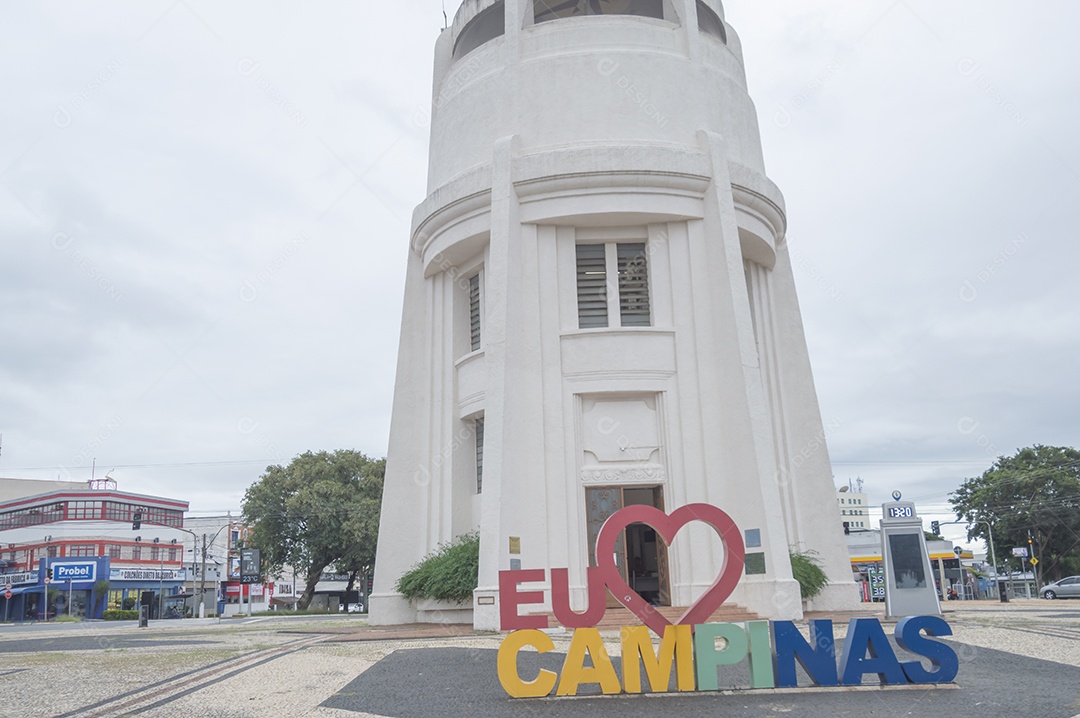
[(592, 286), (474, 312), (595, 263), (478, 432), (633, 285)]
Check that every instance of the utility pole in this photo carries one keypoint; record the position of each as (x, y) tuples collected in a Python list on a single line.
[(202, 581), (1034, 561), (202, 575), (161, 589)]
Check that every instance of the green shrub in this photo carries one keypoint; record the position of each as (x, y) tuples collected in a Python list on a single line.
[(807, 571), (115, 614), (68, 619), (450, 573), (129, 604)]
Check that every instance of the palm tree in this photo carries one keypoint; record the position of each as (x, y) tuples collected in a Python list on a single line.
[(101, 589)]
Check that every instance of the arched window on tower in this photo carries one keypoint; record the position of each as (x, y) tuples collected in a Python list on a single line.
[(544, 10), (485, 27), (710, 23)]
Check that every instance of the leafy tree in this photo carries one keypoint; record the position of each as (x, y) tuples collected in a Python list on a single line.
[(1035, 493), (101, 590), (359, 560), (320, 510)]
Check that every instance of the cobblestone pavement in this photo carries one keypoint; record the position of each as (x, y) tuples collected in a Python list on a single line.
[(310, 666)]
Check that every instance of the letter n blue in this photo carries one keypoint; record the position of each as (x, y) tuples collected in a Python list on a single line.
[(817, 657)]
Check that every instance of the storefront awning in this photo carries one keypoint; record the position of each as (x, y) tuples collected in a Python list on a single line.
[(24, 589)]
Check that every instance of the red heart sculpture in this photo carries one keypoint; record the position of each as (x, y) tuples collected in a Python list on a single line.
[(667, 526)]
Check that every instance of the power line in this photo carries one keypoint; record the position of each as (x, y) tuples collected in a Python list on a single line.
[(143, 466)]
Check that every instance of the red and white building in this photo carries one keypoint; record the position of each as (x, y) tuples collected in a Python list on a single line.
[(97, 522)]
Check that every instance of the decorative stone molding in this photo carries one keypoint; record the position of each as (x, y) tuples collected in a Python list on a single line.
[(648, 474)]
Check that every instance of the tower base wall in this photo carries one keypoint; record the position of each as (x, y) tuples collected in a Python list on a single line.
[(390, 609)]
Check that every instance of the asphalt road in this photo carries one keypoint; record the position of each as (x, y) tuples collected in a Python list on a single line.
[(1022, 659), (422, 683)]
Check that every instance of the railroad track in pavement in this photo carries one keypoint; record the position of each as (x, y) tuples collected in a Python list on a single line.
[(165, 691)]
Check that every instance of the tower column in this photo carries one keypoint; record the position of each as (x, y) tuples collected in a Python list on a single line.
[(500, 495)]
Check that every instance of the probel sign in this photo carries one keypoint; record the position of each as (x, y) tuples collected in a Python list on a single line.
[(74, 571)]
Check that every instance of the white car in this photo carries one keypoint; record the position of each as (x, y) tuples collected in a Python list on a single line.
[(1065, 588)]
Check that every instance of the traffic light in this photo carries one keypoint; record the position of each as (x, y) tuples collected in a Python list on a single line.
[(847, 528), (935, 528), (48, 573), (136, 521)]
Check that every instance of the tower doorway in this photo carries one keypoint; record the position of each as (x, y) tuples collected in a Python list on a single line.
[(640, 554)]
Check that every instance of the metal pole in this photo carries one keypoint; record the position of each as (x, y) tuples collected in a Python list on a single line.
[(993, 553), (45, 594), (161, 590), (71, 588), (1034, 566), (202, 581)]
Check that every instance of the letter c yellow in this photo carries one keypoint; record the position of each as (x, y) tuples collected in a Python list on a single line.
[(508, 674)]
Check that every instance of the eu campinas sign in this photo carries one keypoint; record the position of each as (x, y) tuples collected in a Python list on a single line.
[(688, 649)]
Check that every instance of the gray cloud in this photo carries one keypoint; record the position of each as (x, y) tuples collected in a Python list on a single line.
[(244, 176)]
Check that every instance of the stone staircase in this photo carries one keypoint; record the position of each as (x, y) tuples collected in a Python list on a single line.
[(620, 616)]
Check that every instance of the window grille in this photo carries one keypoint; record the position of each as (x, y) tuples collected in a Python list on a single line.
[(633, 285), (474, 312), (592, 286)]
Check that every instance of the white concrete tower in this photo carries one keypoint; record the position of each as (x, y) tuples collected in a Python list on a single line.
[(600, 311)]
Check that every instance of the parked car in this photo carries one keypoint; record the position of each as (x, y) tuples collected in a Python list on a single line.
[(1065, 588)]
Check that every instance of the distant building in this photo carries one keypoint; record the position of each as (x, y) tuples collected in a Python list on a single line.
[(949, 568), (85, 538), (219, 537), (19, 488), (854, 509)]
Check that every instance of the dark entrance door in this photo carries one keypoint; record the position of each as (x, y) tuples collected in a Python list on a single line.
[(640, 555)]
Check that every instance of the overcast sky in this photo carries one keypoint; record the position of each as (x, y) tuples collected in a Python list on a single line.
[(204, 215)]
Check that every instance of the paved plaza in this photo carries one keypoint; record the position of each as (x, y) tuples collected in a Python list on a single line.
[(1021, 658)]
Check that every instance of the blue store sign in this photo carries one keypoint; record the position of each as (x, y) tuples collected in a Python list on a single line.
[(79, 572), (75, 572)]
